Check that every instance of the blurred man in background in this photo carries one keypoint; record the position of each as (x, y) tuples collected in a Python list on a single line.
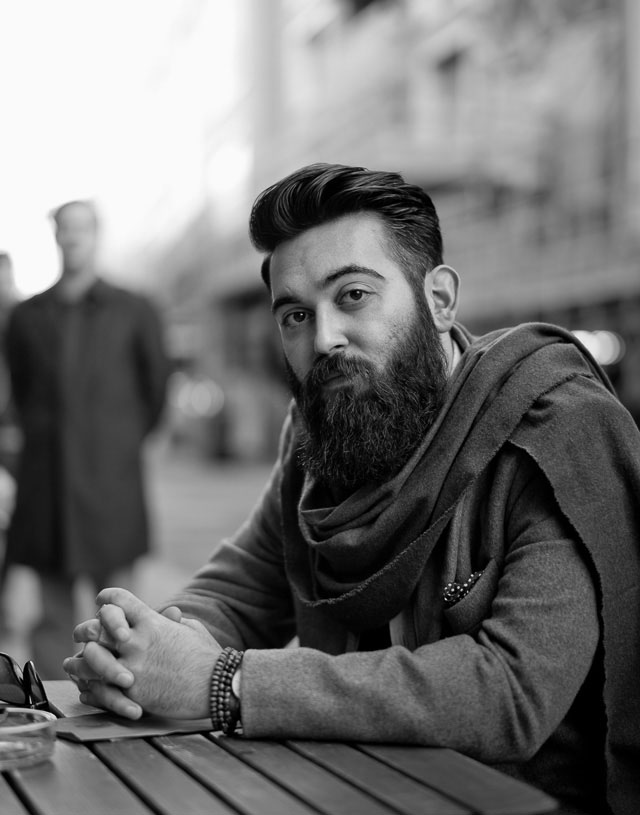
[(88, 373)]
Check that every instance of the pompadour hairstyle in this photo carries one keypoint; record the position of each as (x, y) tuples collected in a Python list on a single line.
[(319, 193)]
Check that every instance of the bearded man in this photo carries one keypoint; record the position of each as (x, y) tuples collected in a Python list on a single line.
[(450, 531)]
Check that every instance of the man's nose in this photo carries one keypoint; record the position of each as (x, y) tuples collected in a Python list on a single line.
[(330, 335)]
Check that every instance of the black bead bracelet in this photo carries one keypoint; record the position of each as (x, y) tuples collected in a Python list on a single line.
[(224, 704)]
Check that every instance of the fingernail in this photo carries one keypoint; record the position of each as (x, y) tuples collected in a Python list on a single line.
[(133, 711), (84, 698), (124, 678), (122, 634)]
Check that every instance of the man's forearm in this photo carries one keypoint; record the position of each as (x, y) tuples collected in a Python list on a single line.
[(497, 696)]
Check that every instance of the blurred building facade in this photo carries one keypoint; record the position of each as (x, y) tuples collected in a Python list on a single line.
[(522, 120)]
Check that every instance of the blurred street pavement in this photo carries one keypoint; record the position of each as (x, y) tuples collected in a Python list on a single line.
[(194, 504)]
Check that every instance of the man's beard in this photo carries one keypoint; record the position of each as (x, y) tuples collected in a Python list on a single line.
[(365, 435)]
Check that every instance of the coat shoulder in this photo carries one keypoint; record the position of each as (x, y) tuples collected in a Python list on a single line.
[(24, 309), (34, 302)]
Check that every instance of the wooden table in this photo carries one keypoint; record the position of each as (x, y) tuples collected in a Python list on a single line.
[(206, 773)]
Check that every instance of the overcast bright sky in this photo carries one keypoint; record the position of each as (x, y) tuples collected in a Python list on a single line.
[(77, 118)]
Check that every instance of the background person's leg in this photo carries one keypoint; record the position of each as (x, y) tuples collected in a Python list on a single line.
[(52, 637), (20, 611)]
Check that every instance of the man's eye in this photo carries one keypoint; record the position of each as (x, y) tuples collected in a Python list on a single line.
[(355, 296), (294, 318)]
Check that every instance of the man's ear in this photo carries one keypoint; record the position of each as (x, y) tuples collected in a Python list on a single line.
[(441, 286)]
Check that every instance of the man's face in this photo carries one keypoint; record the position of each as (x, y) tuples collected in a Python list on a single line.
[(365, 361), (76, 235)]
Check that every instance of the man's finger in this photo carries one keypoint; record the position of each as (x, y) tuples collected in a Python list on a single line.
[(114, 622), (107, 697), (78, 669), (134, 609), (105, 665), (88, 631), (173, 613)]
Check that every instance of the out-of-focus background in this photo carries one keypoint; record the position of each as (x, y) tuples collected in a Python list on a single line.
[(520, 117)]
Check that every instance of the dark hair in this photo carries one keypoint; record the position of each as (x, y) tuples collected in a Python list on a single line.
[(85, 203), (319, 193)]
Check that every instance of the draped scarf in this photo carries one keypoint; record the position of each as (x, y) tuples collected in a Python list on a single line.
[(362, 557)]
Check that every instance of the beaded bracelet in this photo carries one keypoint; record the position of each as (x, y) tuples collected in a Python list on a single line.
[(223, 703)]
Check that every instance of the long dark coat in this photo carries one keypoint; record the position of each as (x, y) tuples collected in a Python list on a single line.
[(89, 383)]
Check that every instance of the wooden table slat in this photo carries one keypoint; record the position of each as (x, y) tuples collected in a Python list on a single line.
[(10, 804), (75, 782), (235, 781), (395, 789), (157, 780), (488, 791), (306, 779)]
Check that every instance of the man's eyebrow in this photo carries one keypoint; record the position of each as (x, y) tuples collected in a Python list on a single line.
[(343, 271)]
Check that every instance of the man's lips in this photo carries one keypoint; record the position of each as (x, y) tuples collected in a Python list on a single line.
[(334, 380), (339, 379), (338, 374)]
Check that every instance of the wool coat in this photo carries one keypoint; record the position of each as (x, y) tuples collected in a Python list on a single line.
[(529, 477), (89, 383)]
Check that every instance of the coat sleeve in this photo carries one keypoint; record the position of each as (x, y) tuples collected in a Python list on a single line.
[(497, 694), (151, 359)]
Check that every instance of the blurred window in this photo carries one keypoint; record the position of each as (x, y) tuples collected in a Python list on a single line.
[(356, 6)]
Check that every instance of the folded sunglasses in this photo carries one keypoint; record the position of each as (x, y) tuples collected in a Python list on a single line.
[(21, 687)]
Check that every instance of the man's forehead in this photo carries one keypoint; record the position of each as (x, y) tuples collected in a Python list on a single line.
[(321, 255)]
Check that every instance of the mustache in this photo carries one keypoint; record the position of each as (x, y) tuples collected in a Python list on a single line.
[(337, 365)]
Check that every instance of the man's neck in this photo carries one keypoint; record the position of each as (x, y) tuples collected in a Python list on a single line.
[(74, 284), (451, 350), (456, 353)]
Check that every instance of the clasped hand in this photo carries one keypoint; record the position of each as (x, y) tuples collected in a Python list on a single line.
[(136, 660)]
